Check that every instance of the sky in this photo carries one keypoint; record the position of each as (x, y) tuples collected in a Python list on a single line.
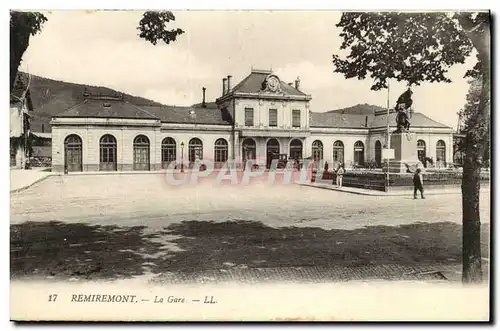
[(103, 48)]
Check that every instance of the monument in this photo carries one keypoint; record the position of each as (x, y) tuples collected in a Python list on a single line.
[(403, 142)]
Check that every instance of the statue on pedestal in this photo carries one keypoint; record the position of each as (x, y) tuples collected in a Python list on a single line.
[(403, 106)]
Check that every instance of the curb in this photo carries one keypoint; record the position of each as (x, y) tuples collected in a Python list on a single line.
[(376, 193), (31, 184), (114, 173), (345, 191), (132, 172)]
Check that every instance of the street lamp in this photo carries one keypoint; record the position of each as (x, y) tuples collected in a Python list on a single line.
[(182, 156), (388, 142)]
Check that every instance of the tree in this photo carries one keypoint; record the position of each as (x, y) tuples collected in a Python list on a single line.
[(23, 25), (152, 27), (421, 47)]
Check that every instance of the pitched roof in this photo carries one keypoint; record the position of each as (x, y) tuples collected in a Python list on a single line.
[(335, 120), (113, 108), (183, 115), (355, 117), (253, 84), (106, 108)]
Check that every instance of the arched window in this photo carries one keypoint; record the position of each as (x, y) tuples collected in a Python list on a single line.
[(195, 150), (107, 153), (359, 153), (220, 150), (168, 151), (441, 152), (421, 150), (338, 151), (141, 153), (317, 150), (73, 153)]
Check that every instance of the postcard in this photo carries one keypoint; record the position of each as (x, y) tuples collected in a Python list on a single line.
[(250, 165)]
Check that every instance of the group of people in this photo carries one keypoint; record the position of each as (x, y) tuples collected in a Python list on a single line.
[(418, 179)]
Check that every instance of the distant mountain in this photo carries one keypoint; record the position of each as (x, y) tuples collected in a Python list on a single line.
[(51, 97), (359, 109)]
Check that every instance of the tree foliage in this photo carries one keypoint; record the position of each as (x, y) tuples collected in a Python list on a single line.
[(411, 47), (23, 25), (469, 118), (153, 27)]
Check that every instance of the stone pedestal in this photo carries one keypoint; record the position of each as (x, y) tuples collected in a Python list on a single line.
[(405, 153)]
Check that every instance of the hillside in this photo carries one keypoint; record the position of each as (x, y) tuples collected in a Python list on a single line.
[(360, 109), (51, 97)]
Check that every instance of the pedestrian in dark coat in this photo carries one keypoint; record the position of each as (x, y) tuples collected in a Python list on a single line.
[(418, 184)]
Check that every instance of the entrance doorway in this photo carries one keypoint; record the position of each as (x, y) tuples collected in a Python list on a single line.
[(73, 153), (141, 153), (107, 155), (421, 151), (272, 151), (296, 150), (378, 153), (248, 150)]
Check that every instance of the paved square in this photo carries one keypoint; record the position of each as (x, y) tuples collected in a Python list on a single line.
[(119, 226)]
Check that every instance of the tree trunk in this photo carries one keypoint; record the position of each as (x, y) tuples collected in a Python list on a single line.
[(474, 151), (476, 135), (471, 223), (476, 142)]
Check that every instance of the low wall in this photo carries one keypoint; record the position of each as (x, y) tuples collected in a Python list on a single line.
[(376, 180)]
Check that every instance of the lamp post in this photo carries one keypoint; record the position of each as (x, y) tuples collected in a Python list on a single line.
[(182, 156), (388, 143)]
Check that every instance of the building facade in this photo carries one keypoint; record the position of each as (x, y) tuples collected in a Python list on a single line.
[(261, 118), (20, 108)]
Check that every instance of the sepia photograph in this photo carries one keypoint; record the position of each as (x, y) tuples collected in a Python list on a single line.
[(250, 165)]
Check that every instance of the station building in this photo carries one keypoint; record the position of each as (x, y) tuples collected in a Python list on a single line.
[(260, 118)]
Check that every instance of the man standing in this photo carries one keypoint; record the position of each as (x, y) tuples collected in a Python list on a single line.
[(340, 174), (418, 184)]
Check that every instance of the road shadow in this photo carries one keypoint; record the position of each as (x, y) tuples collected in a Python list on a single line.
[(80, 251), (214, 245), (61, 251)]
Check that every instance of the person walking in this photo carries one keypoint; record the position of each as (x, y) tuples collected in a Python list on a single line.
[(340, 174), (418, 183)]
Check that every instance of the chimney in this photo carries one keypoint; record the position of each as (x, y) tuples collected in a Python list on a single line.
[(224, 89), (229, 83), (366, 121), (203, 104), (297, 83)]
